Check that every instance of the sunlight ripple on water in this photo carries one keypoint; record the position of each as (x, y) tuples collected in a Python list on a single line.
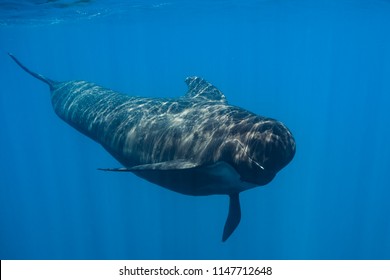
[(56, 11)]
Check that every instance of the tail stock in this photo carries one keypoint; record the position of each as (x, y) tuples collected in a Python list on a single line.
[(48, 81)]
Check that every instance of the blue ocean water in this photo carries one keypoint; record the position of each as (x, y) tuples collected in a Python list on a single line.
[(321, 67)]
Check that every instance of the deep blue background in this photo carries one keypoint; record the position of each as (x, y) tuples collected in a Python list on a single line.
[(321, 67)]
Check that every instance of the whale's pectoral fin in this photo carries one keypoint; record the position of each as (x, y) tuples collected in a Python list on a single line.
[(166, 165), (234, 216), (121, 169)]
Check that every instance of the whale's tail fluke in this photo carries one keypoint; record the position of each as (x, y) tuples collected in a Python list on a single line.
[(48, 81)]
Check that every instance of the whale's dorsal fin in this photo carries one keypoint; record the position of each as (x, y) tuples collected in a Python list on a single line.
[(200, 88), (234, 216)]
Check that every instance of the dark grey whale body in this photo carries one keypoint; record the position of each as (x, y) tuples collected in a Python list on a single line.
[(194, 145)]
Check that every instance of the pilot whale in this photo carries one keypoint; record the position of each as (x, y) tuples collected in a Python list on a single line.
[(196, 144)]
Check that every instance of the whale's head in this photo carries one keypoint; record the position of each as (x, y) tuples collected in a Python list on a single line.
[(269, 147)]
